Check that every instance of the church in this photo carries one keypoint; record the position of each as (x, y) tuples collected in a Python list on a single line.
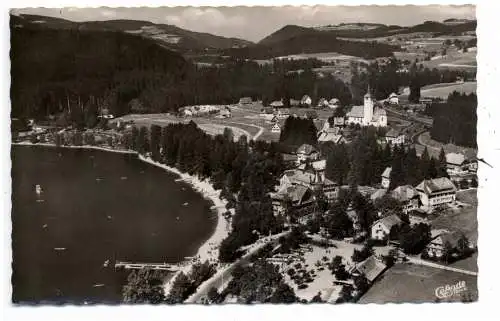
[(368, 114)]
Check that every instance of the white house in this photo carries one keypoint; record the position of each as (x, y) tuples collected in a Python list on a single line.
[(306, 152), (276, 128), (393, 99), (435, 192), (322, 103), (225, 113), (454, 162), (437, 246), (371, 268), (382, 228), (283, 113), (395, 137), (408, 196), (368, 114), (300, 197), (334, 103), (277, 104), (306, 101), (245, 101), (386, 177)]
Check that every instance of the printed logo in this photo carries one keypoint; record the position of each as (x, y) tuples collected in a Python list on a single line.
[(447, 291)]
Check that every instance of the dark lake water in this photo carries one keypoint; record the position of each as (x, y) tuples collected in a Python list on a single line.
[(98, 206)]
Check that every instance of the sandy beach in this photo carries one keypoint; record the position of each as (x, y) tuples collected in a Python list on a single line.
[(119, 151)]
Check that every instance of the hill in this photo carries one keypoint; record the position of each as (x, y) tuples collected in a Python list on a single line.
[(59, 69), (299, 40), (172, 37)]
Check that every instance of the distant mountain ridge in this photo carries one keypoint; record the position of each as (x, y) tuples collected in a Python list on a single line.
[(170, 36)]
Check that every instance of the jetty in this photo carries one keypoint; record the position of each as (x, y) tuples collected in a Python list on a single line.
[(152, 266)]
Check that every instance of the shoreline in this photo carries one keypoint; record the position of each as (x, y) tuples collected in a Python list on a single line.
[(209, 249)]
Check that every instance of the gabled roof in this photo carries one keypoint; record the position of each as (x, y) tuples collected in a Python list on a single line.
[(328, 136), (393, 95), (455, 158), (389, 221), (387, 172), (295, 193), (370, 268), (393, 133), (379, 112), (378, 194), (450, 237), (404, 193), (276, 103), (306, 149), (245, 100), (356, 112), (334, 101), (435, 185)]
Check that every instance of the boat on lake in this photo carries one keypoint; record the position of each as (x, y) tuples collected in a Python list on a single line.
[(60, 248), (38, 189)]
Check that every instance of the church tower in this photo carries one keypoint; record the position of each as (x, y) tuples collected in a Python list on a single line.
[(368, 107)]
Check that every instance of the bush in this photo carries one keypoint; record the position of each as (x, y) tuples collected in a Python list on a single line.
[(303, 286), (291, 272)]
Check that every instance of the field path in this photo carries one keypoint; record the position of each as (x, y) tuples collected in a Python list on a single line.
[(256, 136), (439, 266)]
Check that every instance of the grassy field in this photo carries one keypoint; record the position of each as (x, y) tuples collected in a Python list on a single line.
[(416, 284), (443, 91), (434, 147)]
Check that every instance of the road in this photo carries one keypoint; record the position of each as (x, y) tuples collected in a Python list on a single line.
[(222, 277), (418, 261)]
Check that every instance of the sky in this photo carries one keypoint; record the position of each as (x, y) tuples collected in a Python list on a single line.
[(255, 23)]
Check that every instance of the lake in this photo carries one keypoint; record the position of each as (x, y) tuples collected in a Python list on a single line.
[(95, 206)]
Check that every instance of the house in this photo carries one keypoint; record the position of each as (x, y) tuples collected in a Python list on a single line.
[(438, 246), (322, 103), (330, 136), (299, 197), (267, 113), (425, 100), (408, 196), (371, 268), (472, 166), (277, 104), (454, 162), (395, 137), (305, 153), (368, 114), (294, 103), (306, 101), (379, 193), (393, 99), (386, 177), (225, 113), (334, 103), (312, 177), (245, 101), (338, 121), (283, 113), (276, 128), (436, 192), (382, 228)]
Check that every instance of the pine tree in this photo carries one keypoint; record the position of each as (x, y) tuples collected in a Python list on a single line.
[(442, 164)]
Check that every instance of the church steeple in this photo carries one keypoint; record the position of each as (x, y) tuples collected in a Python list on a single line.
[(368, 92)]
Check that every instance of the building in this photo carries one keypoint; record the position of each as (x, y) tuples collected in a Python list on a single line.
[(438, 246), (283, 113), (371, 268), (294, 103), (277, 104), (386, 177), (436, 192), (393, 99), (331, 136), (306, 101), (300, 198), (245, 101), (454, 162), (339, 121), (276, 128), (225, 113), (334, 103), (368, 114), (395, 137), (382, 228), (305, 153), (311, 176), (408, 196)]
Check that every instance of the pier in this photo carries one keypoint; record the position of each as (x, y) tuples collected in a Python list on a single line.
[(152, 266)]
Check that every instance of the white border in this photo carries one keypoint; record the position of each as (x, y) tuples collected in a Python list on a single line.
[(489, 149)]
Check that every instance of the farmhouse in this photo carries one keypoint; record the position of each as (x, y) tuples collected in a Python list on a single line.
[(382, 228), (445, 241), (283, 113), (454, 162), (408, 196), (322, 103), (386, 177), (393, 99), (299, 197), (331, 136), (305, 153), (368, 114), (276, 128), (311, 176), (225, 113), (334, 103), (435, 192), (395, 137), (277, 104), (371, 268), (306, 101)]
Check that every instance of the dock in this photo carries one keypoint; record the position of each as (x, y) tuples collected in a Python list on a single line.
[(152, 266)]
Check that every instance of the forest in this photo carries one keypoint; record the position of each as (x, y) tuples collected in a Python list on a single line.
[(455, 121)]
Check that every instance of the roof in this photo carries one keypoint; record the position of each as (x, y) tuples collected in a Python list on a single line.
[(334, 101), (393, 133), (306, 149), (276, 103), (245, 100), (378, 194), (389, 221), (455, 158), (371, 268), (387, 172), (305, 97), (328, 136), (295, 193), (393, 95), (284, 111), (404, 193), (450, 237), (300, 176), (436, 185), (356, 112)]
